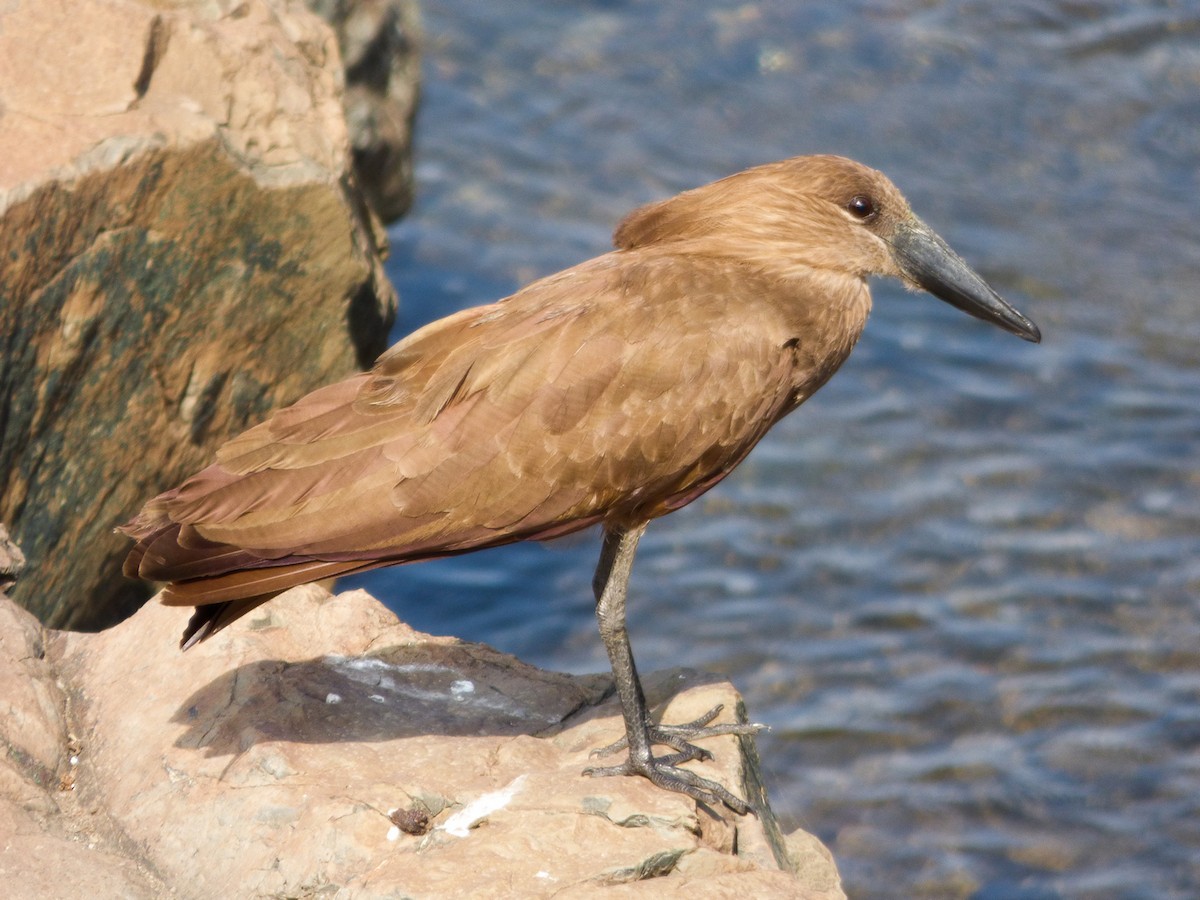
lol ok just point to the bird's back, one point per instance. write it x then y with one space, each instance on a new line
620 388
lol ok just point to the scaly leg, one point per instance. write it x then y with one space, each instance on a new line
611 584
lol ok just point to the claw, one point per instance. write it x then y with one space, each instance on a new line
665 774
678 737
664 771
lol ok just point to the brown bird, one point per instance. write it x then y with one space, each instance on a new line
613 392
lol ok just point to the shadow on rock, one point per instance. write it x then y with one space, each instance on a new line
398 692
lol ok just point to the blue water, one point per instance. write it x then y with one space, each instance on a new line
963 582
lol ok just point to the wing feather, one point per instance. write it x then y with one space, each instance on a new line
619 389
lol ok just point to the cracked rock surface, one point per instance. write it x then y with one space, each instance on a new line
326 748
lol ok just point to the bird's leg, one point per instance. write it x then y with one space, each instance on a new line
611 584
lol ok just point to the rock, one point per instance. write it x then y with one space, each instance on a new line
12 560
181 250
49 847
325 747
380 44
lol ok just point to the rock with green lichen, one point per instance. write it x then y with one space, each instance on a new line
181 250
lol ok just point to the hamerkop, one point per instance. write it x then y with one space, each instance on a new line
613 393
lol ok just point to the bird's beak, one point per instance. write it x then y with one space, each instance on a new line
926 259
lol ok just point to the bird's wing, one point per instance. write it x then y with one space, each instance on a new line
618 388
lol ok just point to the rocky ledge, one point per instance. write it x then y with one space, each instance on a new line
324 748
183 248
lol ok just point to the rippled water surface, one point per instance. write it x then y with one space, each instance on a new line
962 583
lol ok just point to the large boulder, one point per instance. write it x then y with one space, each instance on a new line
380 44
182 249
322 747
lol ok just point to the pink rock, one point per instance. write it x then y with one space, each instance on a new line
277 758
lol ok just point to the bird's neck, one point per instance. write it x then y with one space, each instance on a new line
825 318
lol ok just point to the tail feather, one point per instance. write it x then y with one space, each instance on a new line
251 583
133 561
223 600
223 582
178 553
209 619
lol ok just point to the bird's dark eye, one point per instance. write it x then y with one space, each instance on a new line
862 207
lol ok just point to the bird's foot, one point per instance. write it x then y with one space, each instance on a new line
678 737
664 771
672 778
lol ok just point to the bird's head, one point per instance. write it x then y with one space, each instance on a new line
819 213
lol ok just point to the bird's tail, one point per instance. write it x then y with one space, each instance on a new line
222 582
